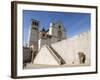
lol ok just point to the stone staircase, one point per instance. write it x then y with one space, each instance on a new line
55 54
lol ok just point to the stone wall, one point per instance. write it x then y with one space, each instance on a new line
69 50
45 57
26 55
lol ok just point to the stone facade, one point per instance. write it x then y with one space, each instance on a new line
74 51
52 47
26 55
33 33
38 38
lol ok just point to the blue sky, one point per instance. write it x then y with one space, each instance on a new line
74 23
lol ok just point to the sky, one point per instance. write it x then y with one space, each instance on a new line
74 23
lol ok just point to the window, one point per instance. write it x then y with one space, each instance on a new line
37 24
59 27
43 35
33 23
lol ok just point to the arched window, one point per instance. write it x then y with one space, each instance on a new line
59 27
59 33
37 24
33 23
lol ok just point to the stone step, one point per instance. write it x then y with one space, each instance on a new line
59 59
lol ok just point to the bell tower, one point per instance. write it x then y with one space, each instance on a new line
61 34
57 31
34 33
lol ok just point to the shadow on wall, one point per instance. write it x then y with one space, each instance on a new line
82 57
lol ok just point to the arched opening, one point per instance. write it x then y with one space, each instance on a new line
82 57
59 33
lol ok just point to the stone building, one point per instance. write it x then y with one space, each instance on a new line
38 38
52 47
72 51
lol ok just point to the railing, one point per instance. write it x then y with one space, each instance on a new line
55 54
